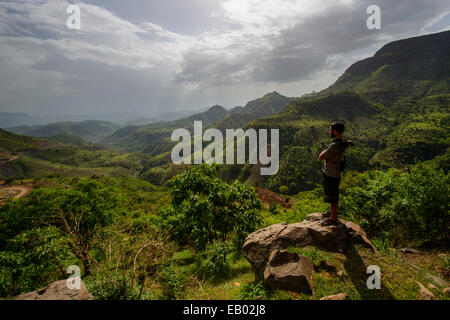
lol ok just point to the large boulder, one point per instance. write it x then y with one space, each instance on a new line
260 244
289 271
354 232
57 290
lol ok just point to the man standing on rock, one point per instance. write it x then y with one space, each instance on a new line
333 165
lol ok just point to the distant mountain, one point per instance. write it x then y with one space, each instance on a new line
9 119
67 139
154 138
138 122
414 67
268 105
395 106
236 109
91 130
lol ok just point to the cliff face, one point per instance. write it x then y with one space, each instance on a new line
409 67
422 58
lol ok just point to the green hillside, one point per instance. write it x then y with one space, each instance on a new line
395 106
268 105
395 115
140 227
414 67
90 130
67 139
13 143
154 138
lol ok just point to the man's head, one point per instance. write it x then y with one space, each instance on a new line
336 129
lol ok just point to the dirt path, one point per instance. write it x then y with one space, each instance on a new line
267 197
22 189
10 158
19 191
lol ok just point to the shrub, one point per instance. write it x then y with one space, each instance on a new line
409 207
252 290
32 259
205 209
129 262
283 189
77 213
10 180
172 282
102 288
217 265
274 208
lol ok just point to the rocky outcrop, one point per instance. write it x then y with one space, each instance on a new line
289 271
260 244
57 290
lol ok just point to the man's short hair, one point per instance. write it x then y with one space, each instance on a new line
338 126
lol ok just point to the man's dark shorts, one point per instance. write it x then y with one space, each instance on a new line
330 188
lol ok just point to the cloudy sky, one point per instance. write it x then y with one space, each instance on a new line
154 56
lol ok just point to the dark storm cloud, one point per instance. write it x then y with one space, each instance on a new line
144 56
298 51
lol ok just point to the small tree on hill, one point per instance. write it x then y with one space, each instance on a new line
205 209
78 213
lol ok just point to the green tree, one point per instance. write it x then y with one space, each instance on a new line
206 209
409 207
76 212
31 259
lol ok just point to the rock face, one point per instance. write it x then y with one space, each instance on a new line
260 244
289 271
57 290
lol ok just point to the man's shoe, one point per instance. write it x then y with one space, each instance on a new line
329 222
326 214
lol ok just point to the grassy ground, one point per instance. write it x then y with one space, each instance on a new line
397 277
399 271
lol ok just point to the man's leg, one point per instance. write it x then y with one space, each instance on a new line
332 196
334 211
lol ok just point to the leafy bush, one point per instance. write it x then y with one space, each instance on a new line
283 189
102 288
252 291
10 180
217 265
124 262
205 209
274 208
409 207
77 213
173 282
32 259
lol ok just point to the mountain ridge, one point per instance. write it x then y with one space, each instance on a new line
90 130
155 138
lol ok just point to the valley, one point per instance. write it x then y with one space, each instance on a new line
108 198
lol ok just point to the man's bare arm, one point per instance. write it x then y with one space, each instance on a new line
322 155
